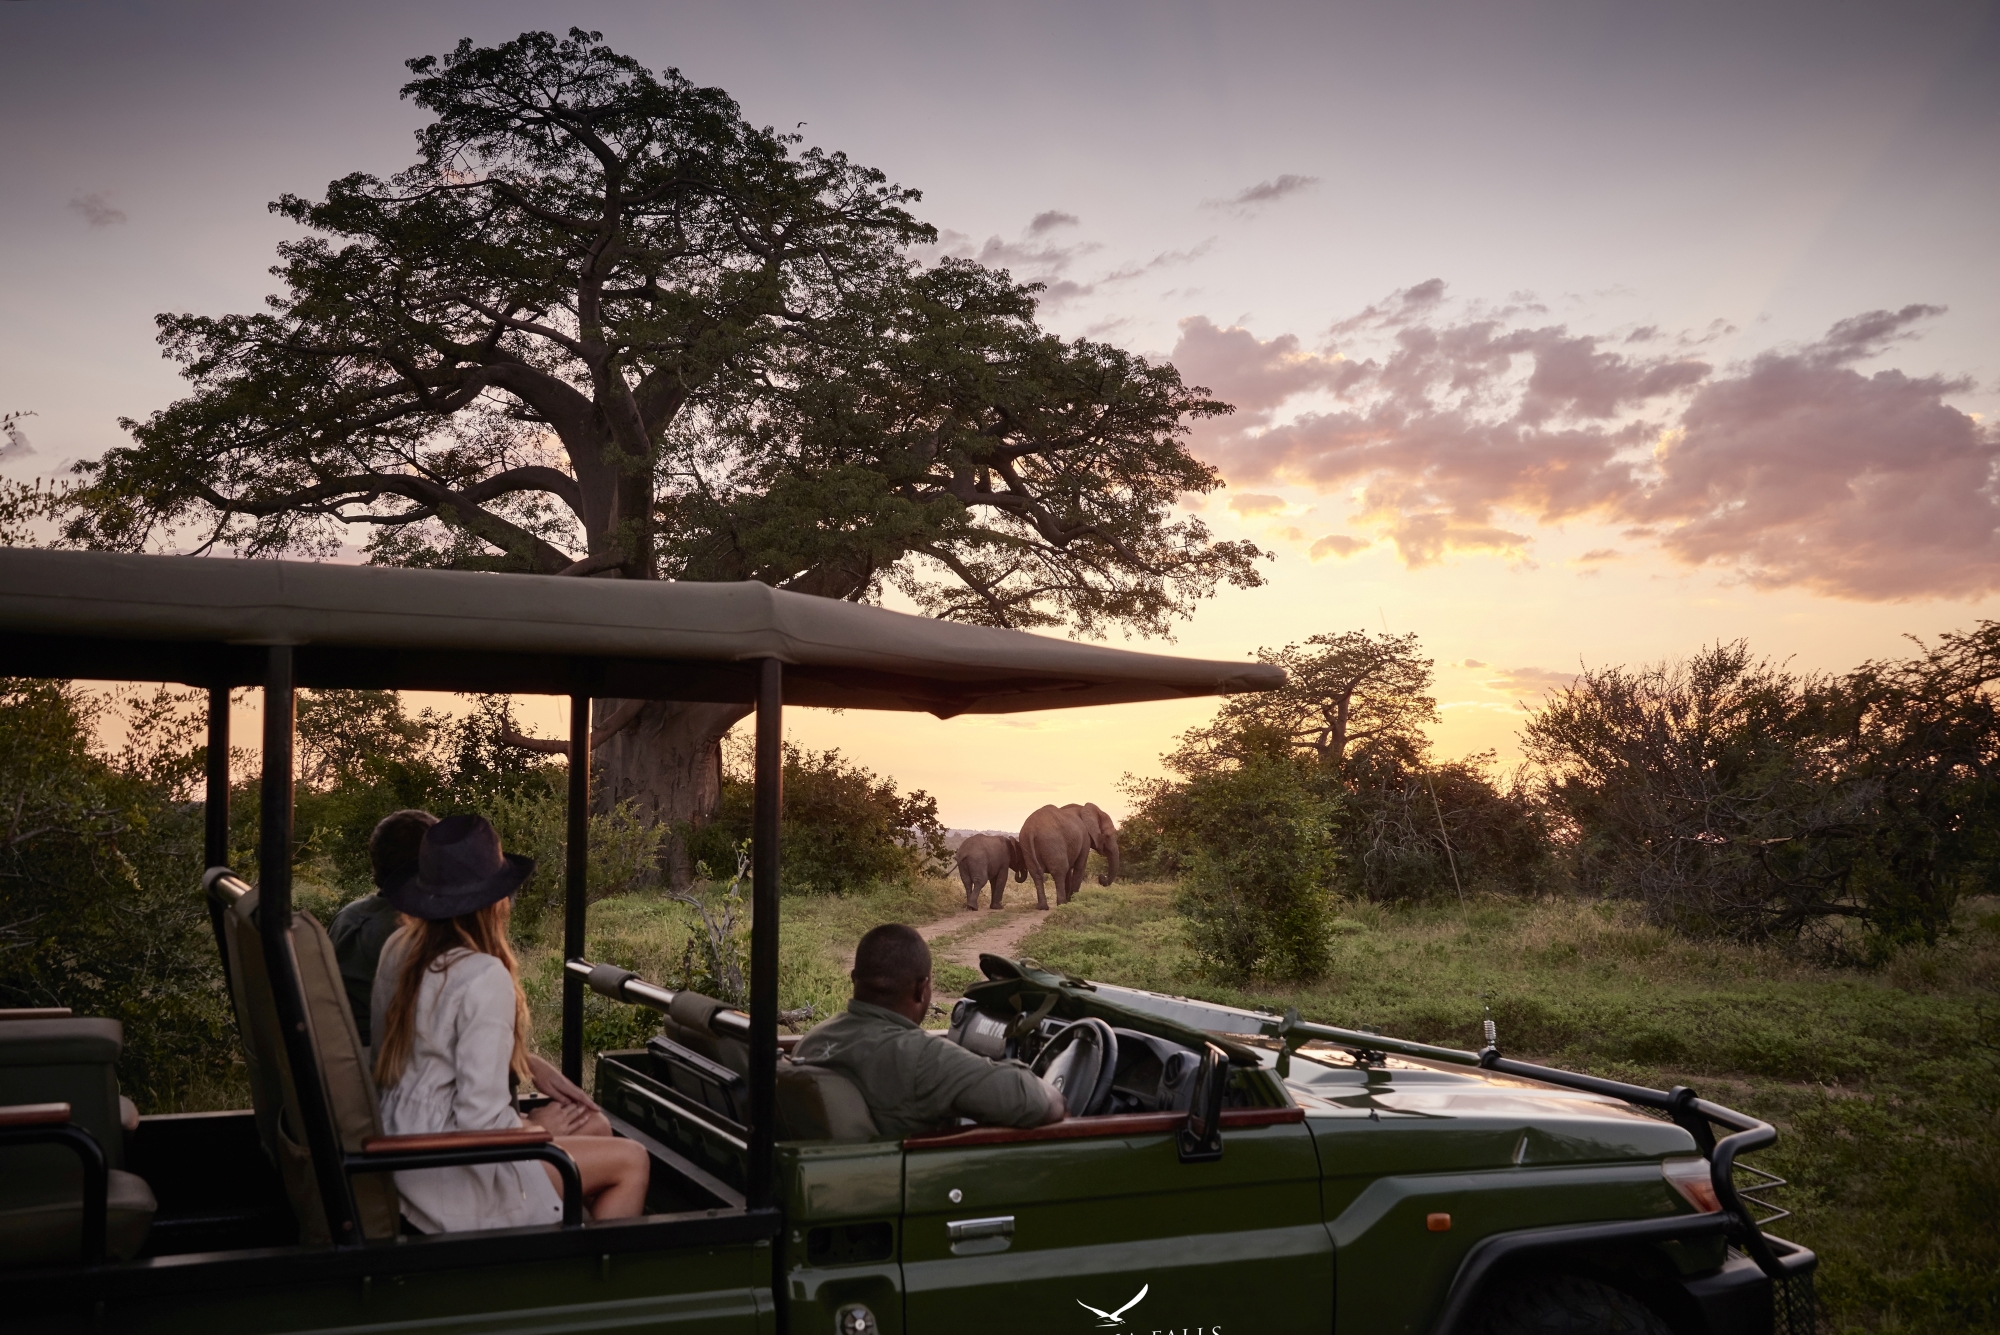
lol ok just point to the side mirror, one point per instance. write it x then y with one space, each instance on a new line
1201 1138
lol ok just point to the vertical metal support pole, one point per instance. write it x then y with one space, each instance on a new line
215 808
215 803
281 966
769 803
576 875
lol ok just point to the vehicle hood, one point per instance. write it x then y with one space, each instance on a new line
1446 1120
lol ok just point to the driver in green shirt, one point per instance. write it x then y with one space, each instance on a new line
914 1080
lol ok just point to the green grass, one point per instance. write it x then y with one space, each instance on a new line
1885 1086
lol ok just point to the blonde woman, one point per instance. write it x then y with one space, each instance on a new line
451 1045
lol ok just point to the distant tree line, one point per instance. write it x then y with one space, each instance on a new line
1840 815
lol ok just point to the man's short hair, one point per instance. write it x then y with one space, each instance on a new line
890 961
393 844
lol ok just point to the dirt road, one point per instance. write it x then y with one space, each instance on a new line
964 936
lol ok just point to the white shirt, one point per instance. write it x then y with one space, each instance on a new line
456 1080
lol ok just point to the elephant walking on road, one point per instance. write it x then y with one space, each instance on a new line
985 859
1058 842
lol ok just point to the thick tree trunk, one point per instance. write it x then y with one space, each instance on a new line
668 763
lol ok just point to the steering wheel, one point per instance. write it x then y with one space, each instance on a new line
1079 1064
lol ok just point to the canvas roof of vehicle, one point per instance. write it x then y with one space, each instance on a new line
205 621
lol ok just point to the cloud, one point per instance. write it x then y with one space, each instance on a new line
1289 533
1599 555
96 210
1256 376
1252 504
1528 681
1034 258
1796 468
1337 544
1166 259
14 441
1264 192
1469 663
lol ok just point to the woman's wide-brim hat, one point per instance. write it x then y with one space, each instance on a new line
460 869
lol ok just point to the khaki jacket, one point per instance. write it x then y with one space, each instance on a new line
916 1081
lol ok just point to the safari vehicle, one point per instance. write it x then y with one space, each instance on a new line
1221 1170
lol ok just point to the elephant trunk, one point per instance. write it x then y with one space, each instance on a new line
1110 859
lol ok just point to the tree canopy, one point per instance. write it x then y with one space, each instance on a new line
1349 697
605 324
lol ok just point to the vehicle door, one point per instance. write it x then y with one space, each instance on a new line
1097 1224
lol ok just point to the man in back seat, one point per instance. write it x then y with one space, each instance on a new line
914 1081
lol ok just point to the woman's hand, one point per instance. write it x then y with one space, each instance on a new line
570 1112
559 1087
561 1119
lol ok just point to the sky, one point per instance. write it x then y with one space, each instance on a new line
1559 334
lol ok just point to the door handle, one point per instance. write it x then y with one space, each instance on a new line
975 1237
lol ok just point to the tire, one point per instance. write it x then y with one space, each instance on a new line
1569 1305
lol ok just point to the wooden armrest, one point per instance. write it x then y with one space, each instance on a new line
34 1114
456 1140
36 1013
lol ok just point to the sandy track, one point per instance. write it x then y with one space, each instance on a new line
962 936
966 935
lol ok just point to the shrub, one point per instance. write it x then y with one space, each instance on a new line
99 863
1256 896
844 828
1415 832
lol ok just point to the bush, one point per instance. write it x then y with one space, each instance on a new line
99 865
1731 797
1415 832
844 828
1257 893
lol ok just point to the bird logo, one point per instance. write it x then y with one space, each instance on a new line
1114 1318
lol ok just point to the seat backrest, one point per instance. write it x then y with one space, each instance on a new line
819 1103
343 1070
69 1061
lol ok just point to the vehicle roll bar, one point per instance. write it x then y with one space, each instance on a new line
608 980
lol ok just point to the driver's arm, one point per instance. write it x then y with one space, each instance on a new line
1003 1093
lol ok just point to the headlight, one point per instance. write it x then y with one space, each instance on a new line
1694 1181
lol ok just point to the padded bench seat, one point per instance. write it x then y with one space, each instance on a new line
73 1061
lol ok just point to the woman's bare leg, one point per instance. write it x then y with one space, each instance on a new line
614 1172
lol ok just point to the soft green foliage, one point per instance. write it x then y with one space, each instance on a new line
362 756
1348 698
99 858
844 828
1884 1084
1352 715
1258 889
1731 796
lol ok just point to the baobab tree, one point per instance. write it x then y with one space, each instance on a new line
605 327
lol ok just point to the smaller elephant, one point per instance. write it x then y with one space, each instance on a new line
986 859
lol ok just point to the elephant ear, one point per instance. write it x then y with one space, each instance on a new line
1106 827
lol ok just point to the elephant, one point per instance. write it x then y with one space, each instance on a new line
1058 842
987 858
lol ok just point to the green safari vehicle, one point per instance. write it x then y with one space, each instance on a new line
1222 1170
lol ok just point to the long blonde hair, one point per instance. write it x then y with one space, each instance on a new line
426 943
